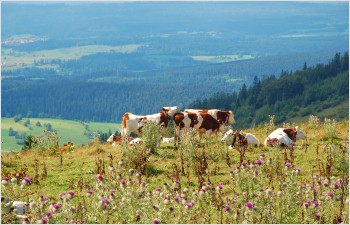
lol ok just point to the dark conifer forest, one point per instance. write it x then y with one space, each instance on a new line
298 94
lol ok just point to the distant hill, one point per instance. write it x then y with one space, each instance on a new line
321 90
97 92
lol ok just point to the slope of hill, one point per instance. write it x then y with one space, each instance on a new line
321 90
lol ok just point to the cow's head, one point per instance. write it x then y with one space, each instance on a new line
231 118
300 134
111 138
228 135
170 110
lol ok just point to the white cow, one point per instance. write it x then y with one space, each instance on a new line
167 140
231 137
284 136
135 141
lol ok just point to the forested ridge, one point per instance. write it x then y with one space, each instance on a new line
301 93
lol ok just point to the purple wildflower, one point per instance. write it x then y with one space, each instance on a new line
317 215
155 221
189 205
26 180
49 214
99 177
287 164
256 171
316 203
105 201
220 186
336 186
249 205
56 205
176 181
330 194
262 155
258 162
44 220
227 208
6 178
89 192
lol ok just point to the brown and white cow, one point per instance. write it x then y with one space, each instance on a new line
202 122
224 115
284 137
115 139
133 123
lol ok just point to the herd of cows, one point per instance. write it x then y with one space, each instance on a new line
206 121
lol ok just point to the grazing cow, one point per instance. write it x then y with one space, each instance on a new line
135 141
133 123
202 122
115 139
68 146
224 115
284 137
244 139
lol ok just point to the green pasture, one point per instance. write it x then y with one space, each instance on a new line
68 130
12 59
76 170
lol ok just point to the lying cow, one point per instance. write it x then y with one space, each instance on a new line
135 141
244 139
284 137
202 122
167 140
69 146
115 139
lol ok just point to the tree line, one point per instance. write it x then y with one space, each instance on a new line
298 94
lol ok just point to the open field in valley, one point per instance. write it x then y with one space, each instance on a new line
68 130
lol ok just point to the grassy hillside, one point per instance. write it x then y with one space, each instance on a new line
77 132
279 194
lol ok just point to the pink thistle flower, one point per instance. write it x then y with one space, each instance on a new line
249 205
336 186
256 171
89 192
220 187
258 162
227 208
262 155
317 215
330 194
105 202
316 203
155 221
26 181
49 214
99 177
287 165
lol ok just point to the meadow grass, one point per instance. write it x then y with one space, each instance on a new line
279 194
